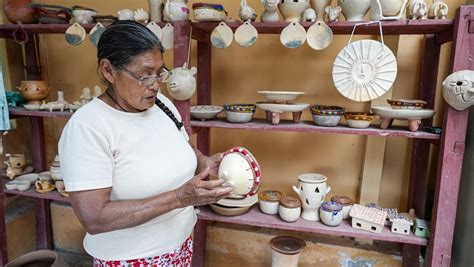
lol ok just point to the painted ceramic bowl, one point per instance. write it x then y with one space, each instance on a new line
34 91
269 201
209 12
228 211
240 169
289 209
205 112
239 113
346 203
328 116
359 120
331 213
406 104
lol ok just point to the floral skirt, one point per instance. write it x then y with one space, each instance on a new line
180 257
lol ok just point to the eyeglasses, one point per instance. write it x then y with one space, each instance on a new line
150 79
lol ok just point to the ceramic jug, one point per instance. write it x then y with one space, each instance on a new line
354 10
19 11
176 10
312 190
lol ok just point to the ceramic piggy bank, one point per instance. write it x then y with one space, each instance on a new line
458 89
182 83
176 10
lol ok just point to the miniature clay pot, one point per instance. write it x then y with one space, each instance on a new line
312 190
354 10
293 10
18 11
269 201
289 209
286 251
34 91
328 116
359 120
331 213
346 203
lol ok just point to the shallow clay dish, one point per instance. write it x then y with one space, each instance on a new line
238 202
280 96
228 211
205 112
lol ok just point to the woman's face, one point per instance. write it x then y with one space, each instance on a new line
137 95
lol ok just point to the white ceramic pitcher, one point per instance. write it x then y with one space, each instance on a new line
312 190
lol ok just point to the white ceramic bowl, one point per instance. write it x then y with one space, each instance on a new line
23 185
280 96
205 112
331 213
358 124
239 117
328 116
327 121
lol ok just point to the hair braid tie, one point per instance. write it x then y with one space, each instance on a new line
169 113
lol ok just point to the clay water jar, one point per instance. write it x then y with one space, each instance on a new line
19 11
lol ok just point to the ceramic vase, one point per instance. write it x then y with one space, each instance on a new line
176 10
312 190
354 10
319 6
391 7
18 11
156 10
293 10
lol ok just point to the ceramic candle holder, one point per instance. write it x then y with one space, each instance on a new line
34 91
269 201
331 213
312 190
328 116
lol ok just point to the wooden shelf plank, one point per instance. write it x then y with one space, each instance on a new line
310 127
426 26
255 217
22 112
53 195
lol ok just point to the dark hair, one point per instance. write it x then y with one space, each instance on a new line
122 41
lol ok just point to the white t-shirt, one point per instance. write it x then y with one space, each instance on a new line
138 155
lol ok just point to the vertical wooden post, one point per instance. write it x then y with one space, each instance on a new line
182 40
3 232
451 153
203 141
421 148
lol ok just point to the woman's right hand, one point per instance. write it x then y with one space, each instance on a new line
199 192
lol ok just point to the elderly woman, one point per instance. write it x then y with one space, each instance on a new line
127 164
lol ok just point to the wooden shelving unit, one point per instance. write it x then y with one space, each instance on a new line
451 141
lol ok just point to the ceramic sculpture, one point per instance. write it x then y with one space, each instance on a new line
33 91
156 10
293 10
417 9
176 10
286 251
83 99
401 225
240 169
312 190
439 10
388 9
354 10
320 6
209 12
141 16
59 104
246 12
422 228
458 89
125 14
333 13
270 13
44 187
309 15
182 82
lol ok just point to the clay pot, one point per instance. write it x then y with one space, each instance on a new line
289 209
269 201
19 11
293 10
346 203
286 251
354 10
34 91
331 213
391 7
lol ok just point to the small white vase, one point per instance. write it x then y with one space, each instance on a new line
391 7
354 10
319 6
156 10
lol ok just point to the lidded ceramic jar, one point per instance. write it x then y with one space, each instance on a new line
286 251
240 169
312 190
289 209
331 213
354 10
293 10
346 203
269 201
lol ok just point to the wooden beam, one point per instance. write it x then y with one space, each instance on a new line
3 230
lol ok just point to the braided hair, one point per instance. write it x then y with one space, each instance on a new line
121 42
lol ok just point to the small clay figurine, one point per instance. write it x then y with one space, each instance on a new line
309 15
417 9
458 89
271 11
333 13
141 16
439 10
182 82
247 12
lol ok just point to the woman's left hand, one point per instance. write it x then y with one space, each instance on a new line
213 163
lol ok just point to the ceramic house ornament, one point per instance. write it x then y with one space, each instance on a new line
368 219
312 190
422 228
293 35
222 36
333 13
439 10
458 89
176 10
270 13
240 169
401 225
246 12
168 36
182 82
417 9
246 34
388 9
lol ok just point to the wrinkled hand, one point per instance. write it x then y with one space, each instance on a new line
199 192
213 163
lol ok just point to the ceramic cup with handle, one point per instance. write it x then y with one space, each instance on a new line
312 190
43 185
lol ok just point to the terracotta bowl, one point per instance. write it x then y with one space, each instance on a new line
240 169
359 120
406 104
328 116
228 211
34 91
